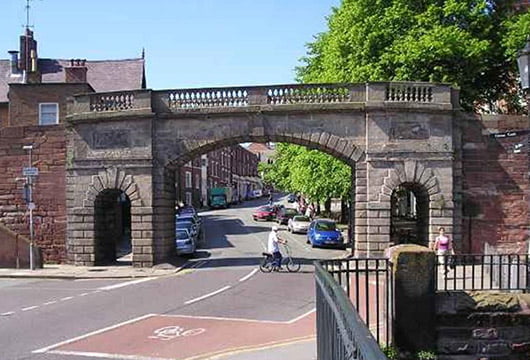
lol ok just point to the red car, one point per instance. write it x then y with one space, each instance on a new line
264 213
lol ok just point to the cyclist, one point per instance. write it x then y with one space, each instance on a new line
274 248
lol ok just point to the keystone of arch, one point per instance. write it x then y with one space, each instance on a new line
112 178
410 172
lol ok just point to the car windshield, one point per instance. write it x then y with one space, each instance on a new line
182 235
265 208
291 212
302 218
184 225
325 226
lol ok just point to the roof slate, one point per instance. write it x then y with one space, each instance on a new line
102 75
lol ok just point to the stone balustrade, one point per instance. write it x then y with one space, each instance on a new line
396 93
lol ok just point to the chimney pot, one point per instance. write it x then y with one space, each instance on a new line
76 72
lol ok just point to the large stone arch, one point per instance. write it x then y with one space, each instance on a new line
339 148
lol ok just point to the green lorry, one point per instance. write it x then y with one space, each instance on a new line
219 197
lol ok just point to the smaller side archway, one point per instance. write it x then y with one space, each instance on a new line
112 226
409 215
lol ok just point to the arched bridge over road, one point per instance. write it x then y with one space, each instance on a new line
392 134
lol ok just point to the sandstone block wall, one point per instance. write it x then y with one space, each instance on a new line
49 189
495 183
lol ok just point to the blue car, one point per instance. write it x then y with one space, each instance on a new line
324 232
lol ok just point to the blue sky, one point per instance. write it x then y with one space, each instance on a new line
188 43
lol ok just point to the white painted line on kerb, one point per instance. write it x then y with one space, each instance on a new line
207 295
127 283
29 308
48 348
7 313
248 275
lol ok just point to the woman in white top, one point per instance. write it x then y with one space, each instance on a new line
443 245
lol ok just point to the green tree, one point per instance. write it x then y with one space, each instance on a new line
467 43
315 174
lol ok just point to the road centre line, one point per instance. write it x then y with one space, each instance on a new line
50 302
208 295
246 277
29 308
123 284
48 348
7 313
67 298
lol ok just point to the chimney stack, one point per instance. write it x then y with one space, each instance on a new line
14 62
76 72
28 52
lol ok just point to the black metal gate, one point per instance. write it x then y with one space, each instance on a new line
354 308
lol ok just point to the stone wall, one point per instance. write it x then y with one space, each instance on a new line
495 174
49 190
4 113
485 326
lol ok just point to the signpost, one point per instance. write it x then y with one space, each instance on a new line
30 172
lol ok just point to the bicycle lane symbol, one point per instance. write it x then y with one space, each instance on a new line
171 332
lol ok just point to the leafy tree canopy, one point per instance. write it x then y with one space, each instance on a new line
310 172
468 43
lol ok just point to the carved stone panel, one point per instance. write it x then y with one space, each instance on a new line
111 139
409 130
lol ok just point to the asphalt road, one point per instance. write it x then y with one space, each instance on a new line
220 306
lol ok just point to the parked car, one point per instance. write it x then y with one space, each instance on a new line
189 227
284 214
257 193
298 224
291 198
264 213
323 232
194 218
184 242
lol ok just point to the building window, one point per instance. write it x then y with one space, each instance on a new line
197 182
188 198
48 113
188 179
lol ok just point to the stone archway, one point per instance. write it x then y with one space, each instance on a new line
388 132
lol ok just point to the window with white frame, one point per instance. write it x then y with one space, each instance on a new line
188 179
48 113
188 198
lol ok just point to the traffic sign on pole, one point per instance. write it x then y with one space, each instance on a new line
30 171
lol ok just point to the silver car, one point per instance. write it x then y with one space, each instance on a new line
299 224
185 243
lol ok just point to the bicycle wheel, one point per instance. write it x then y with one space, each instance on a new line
265 265
292 266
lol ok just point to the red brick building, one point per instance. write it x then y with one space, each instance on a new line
33 99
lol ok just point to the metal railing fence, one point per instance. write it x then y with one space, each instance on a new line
341 333
471 272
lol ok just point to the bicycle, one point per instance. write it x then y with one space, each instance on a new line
267 265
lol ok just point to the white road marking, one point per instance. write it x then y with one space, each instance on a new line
83 294
67 298
105 355
223 318
48 348
207 295
123 284
248 275
7 313
50 302
301 316
29 308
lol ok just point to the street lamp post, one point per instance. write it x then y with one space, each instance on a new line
31 206
523 62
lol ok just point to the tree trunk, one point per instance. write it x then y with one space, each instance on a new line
327 205
343 211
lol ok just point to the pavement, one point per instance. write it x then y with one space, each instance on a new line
62 271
